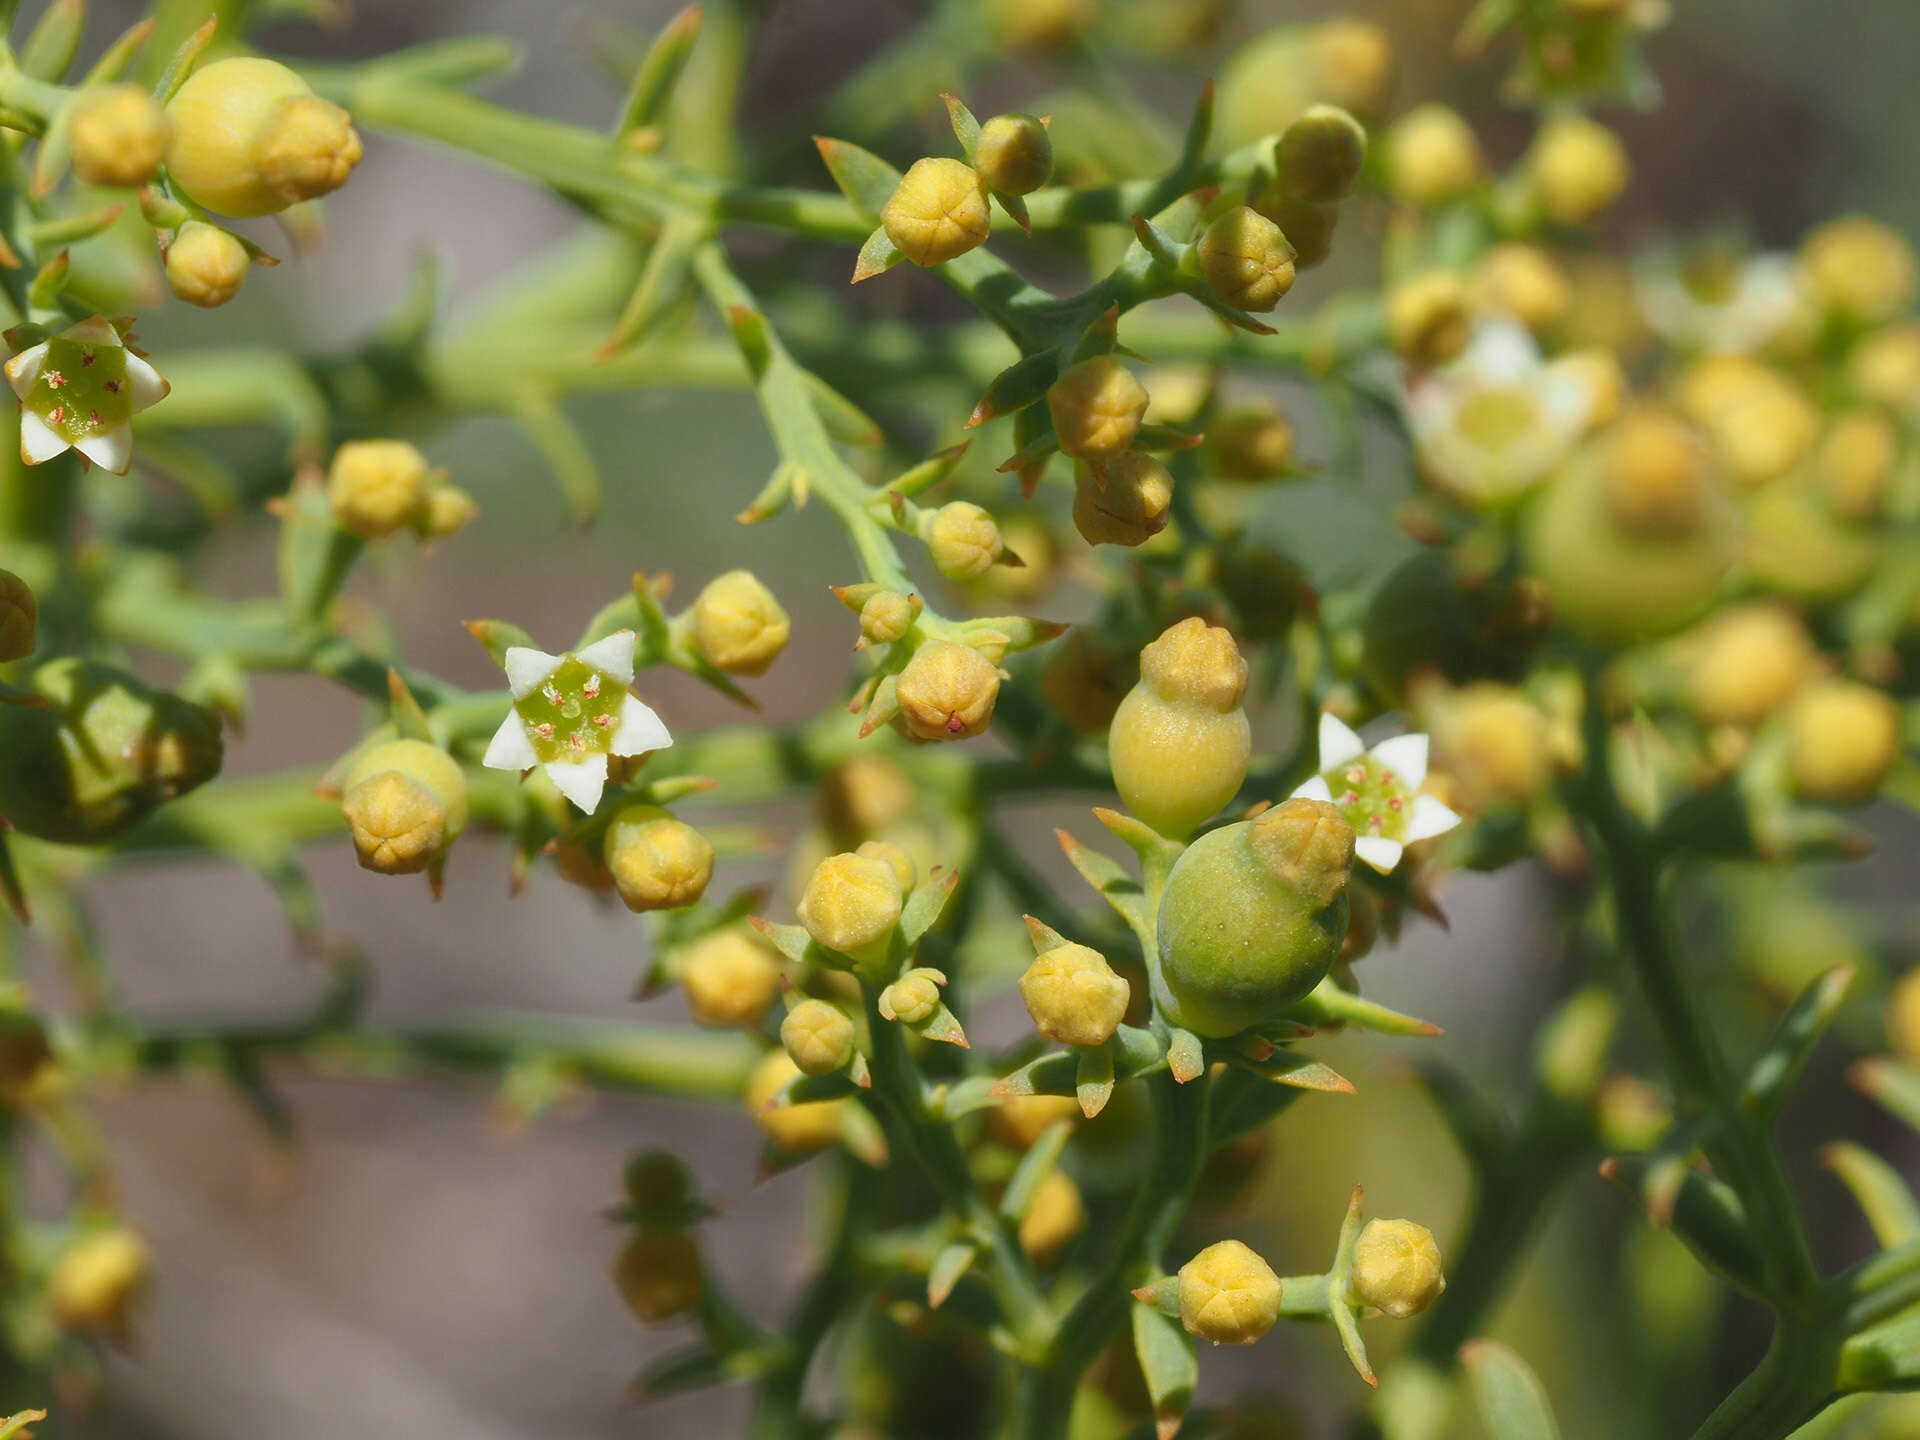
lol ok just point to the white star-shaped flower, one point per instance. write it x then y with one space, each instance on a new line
1378 790
1722 304
570 712
80 390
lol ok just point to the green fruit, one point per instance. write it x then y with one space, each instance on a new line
1253 917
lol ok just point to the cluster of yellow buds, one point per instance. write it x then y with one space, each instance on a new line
378 488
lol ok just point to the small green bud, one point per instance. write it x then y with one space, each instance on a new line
1246 261
885 616
96 1281
405 802
938 212
1014 154
1228 1294
1253 916
797 1129
912 998
1429 318
657 1185
117 135
1054 1216
1578 168
730 978
947 691
1433 157
1396 1268
250 138
818 1037
1074 996
19 618
1097 407
378 487
1319 155
206 265
1842 740
1180 743
658 862
1130 508
1254 442
658 1274
851 904
963 540
738 624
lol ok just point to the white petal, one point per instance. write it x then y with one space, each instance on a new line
39 441
612 656
1338 743
110 449
97 331
1431 407
640 731
1501 353
510 749
581 781
145 388
1314 789
526 668
1429 818
1406 756
1379 852
24 368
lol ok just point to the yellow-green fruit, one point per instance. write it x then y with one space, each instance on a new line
938 212
818 1037
738 624
1013 154
405 802
1396 1268
1228 1294
1842 740
730 978
1253 916
1246 261
1074 996
947 691
19 618
1054 1216
101 754
1798 546
1096 407
377 487
1320 154
1903 1017
658 1274
1130 508
851 904
206 265
1859 268
658 862
1432 156
250 137
116 135
96 1280
797 1129
1179 744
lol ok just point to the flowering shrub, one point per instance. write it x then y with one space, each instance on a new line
1653 618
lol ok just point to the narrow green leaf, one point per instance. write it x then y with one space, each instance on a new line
1882 1192
1093 1082
948 1266
1169 1366
1894 1084
845 421
662 284
863 177
1702 1211
878 254
966 129
923 907
1104 874
1017 386
1034 1166
566 454
694 1368
315 553
499 636
409 720
929 472
1284 1067
1793 1042
180 63
1329 1004
657 74
54 40
1512 1404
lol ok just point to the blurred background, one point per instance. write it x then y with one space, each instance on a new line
412 1270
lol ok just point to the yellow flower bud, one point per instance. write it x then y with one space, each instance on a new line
912 998
1759 424
1074 996
405 803
939 211
1842 739
1903 1017
1494 743
1251 443
963 540
1179 745
1432 156
1859 269
1054 1216
818 1037
1396 1268
250 138
1014 154
1526 282
851 904
1020 1120
117 135
1886 367
19 618
863 796
1352 63
730 978
1319 155
377 487
1245 259
1041 24
97 1279
1130 508
1656 475
1429 318
896 859
1307 226
1600 374
658 1274
658 862
449 511
885 616
1097 407
1746 663
1578 168
947 691
205 265
738 625
797 1129
1228 1294
1854 463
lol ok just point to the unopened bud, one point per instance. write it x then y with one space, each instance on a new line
818 1037
947 691
1859 269
1886 367
96 1281
1307 226
19 618
1578 168
886 616
1245 259
797 1129
963 540
1074 996
1842 740
1526 282
1180 743
851 904
1130 508
1854 463
738 625
658 862
864 795
1656 477
1495 743
1097 407
1020 1120
1396 1268
1228 1294
1251 443
1746 663
938 212
658 1274
1429 318
1432 157
377 487
449 511
1054 1216
730 978
1352 63
1014 154
206 265
405 802
251 138
912 998
1320 154
895 858
117 135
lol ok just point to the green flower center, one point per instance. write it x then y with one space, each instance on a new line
82 389
1374 799
1498 418
573 713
